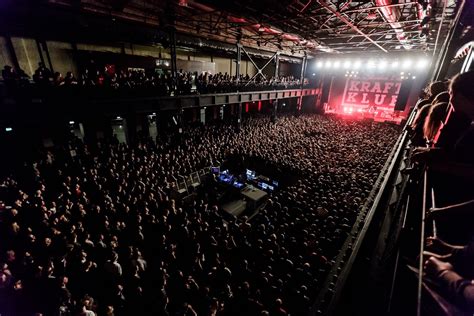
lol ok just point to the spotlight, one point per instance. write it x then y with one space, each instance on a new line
407 63
422 63
154 113
319 64
337 64
347 64
395 64
382 64
414 77
314 74
119 117
357 64
371 63
328 64
71 122
8 129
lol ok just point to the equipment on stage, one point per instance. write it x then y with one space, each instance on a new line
250 174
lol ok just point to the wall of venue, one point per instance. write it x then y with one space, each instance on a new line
64 57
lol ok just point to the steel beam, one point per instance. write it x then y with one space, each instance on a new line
259 70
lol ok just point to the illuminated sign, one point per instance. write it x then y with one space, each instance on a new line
370 95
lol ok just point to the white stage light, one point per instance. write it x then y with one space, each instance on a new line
395 64
407 63
71 122
422 63
347 64
382 64
337 64
319 64
8 129
357 64
328 64
414 77
371 63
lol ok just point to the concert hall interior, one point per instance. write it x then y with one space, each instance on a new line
238 157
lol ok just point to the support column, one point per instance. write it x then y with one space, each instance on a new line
239 60
202 115
130 126
174 68
180 118
239 116
40 51
275 102
303 69
143 127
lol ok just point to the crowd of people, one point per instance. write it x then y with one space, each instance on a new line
442 135
92 229
149 82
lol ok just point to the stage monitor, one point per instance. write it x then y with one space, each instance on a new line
250 174
263 185
226 178
215 170
238 185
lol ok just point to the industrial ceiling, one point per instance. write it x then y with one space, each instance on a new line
291 26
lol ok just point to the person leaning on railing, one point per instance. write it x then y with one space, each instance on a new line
455 139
